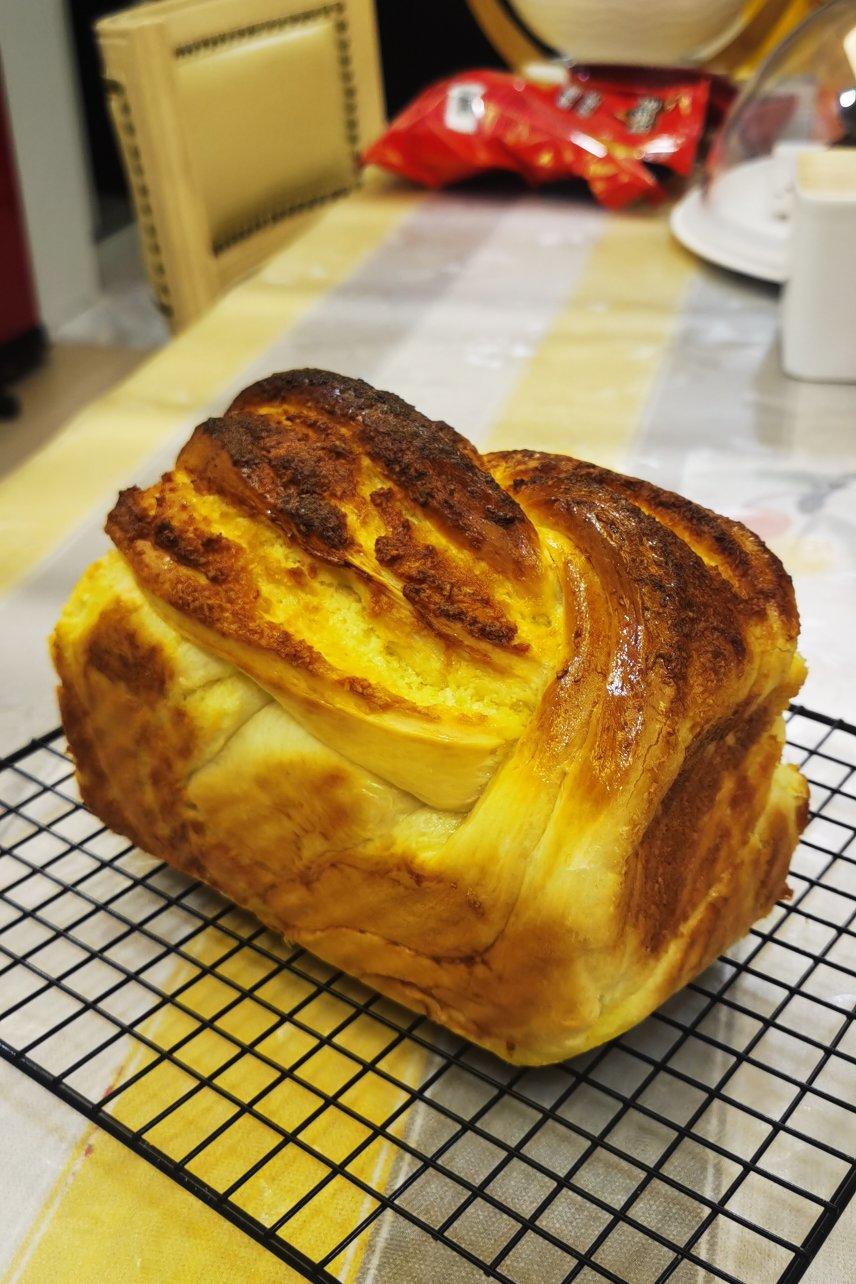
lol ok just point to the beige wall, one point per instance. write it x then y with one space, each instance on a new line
46 127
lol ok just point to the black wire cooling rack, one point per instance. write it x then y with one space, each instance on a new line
356 1140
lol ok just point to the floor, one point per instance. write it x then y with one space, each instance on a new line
89 354
72 375
125 314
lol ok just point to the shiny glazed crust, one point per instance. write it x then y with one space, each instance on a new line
501 736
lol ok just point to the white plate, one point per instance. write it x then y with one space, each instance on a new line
732 228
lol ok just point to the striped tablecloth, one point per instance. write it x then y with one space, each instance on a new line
524 320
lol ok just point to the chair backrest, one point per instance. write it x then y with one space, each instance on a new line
235 119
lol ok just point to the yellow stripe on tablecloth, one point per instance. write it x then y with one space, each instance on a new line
43 501
111 1216
115 1217
584 391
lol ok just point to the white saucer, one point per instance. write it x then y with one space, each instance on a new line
745 239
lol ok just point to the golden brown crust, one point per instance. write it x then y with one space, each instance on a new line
506 729
740 557
433 466
322 457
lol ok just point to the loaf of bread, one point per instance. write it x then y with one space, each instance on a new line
499 735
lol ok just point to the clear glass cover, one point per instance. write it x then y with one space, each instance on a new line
802 96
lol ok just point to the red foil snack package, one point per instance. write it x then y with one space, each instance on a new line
604 126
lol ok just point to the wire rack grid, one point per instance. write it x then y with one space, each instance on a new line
356 1140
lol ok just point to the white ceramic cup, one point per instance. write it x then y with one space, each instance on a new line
783 175
819 298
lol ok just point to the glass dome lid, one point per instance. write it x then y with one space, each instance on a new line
803 96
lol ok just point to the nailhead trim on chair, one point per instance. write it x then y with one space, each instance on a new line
349 95
275 216
205 43
136 174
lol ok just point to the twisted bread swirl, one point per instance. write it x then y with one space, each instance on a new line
499 735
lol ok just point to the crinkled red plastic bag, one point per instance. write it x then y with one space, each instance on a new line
599 128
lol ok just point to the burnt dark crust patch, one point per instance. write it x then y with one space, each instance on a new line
436 468
441 592
737 557
295 478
